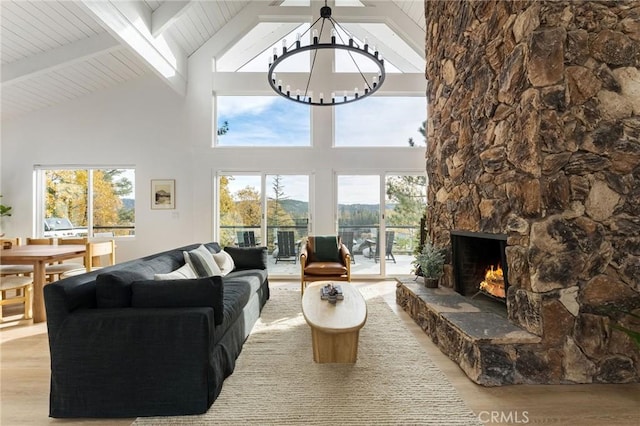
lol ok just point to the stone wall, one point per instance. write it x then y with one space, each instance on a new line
534 132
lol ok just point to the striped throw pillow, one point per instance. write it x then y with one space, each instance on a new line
202 263
182 273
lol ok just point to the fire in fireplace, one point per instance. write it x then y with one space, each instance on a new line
479 264
493 283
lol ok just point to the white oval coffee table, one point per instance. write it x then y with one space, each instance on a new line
334 327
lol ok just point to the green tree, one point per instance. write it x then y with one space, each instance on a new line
408 194
278 195
222 130
423 132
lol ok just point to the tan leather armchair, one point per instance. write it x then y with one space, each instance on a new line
317 263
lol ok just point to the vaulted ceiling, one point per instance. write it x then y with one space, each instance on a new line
55 51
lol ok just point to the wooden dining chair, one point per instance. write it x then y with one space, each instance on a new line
8 270
57 269
92 257
16 289
40 241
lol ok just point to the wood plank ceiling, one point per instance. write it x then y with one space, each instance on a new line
55 51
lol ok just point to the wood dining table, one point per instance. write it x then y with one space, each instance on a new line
39 256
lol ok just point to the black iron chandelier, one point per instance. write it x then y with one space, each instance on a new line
337 97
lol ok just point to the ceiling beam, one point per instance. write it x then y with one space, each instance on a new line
400 55
58 57
245 20
168 13
388 13
130 23
247 83
249 47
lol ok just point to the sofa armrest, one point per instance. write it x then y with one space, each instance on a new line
114 355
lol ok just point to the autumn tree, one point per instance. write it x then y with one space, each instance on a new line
248 206
228 216
67 190
66 195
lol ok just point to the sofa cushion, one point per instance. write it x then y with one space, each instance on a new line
182 273
202 263
113 289
224 262
236 296
248 257
180 293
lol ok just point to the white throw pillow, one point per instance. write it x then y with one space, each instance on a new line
202 263
224 262
184 272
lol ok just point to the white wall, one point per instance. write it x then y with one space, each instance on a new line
145 124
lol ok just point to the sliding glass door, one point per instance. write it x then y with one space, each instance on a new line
240 210
269 210
405 204
287 219
358 207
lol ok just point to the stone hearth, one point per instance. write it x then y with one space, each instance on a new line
484 344
534 132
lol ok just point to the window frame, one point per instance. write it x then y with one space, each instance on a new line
39 194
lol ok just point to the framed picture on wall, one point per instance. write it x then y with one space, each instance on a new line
163 194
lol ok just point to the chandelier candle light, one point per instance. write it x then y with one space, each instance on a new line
338 97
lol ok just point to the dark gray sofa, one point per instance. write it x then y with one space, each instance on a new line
124 346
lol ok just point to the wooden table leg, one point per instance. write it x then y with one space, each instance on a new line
39 313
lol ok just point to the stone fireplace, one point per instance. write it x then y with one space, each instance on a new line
480 268
533 133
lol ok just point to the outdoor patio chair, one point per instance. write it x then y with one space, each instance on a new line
347 240
246 239
389 237
286 246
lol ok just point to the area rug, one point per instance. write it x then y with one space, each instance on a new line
276 381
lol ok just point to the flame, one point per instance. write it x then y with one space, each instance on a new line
493 282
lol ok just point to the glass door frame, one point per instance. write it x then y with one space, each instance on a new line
264 198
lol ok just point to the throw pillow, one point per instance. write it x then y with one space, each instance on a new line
248 257
191 293
224 262
202 263
113 289
326 248
182 273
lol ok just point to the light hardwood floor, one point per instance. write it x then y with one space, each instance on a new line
24 386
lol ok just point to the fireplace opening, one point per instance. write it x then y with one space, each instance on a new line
480 266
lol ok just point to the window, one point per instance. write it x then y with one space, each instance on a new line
86 201
390 121
259 121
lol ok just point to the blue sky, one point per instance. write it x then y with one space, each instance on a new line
275 121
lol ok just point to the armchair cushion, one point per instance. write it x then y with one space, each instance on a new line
325 248
325 268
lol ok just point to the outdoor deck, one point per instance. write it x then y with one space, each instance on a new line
363 266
